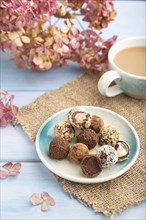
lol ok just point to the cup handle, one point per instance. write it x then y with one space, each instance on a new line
105 81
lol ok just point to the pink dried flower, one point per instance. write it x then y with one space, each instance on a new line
7 109
18 14
94 50
37 46
11 170
76 4
45 199
98 13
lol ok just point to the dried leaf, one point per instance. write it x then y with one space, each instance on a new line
3 174
36 199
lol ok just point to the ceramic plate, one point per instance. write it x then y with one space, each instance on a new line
72 171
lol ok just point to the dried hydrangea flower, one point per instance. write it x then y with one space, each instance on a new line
45 199
75 4
7 109
11 170
37 46
18 14
98 13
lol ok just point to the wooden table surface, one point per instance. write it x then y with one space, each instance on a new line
15 145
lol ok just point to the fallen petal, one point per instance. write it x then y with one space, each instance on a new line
3 174
8 166
44 207
14 170
49 200
36 199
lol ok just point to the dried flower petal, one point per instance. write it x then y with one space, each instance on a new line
3 174
14 170
49 200
45 199
7 109
11 170
8 166
36 199
44 207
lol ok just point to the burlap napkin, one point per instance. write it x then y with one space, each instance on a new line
110 197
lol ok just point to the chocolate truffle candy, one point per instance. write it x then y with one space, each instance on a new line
78 152
79 119
65 130
91 166
59 148
108 135
107 155
88 137
96 123
123 150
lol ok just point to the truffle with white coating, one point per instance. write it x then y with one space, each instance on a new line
65 130
108 135
79 119
107 155
123 150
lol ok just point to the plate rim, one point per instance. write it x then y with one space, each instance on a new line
87 180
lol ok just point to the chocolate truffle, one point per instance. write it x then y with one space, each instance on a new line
79 119
123 150
107 155
65 130
108 135
91 166
96 123
59 148
88 137
78 152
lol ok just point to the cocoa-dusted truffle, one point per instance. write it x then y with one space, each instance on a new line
65 130
107 155
78 152
123 150
79 119
96 123
108 135
59 148
91 166
88 137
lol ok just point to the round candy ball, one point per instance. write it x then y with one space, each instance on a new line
88 137
78 151
96 123
79 119
108 135
91 166
59 148
65 130
107 155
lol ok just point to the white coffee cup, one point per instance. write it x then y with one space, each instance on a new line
130 84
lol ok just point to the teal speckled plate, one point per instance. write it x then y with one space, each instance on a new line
72 171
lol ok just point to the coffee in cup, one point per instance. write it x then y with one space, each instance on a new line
127 61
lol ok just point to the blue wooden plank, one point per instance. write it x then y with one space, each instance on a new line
130 21
34 177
